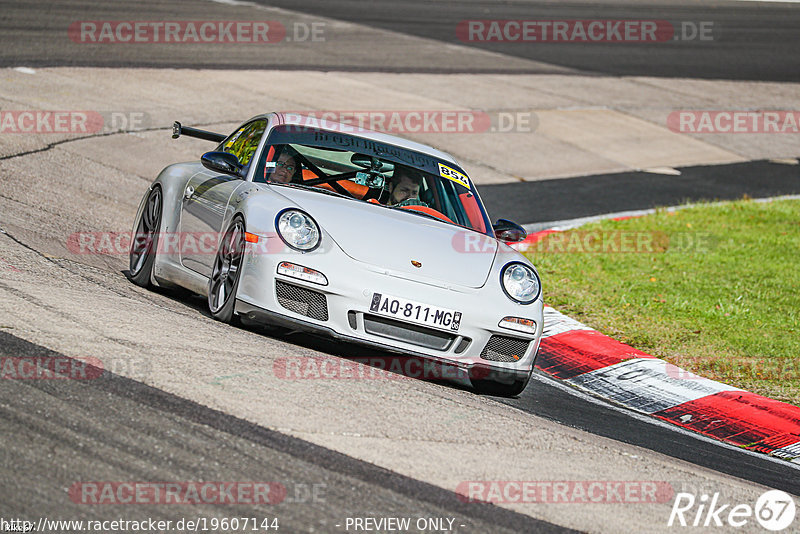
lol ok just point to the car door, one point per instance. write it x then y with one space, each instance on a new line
206 199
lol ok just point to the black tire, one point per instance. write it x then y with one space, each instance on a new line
224 280
144 244
501 386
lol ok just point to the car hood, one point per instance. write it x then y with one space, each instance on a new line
391 239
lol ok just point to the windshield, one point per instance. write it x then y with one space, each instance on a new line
371 171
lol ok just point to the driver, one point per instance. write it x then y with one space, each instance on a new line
404 187
286 168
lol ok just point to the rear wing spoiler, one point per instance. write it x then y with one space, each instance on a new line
178 130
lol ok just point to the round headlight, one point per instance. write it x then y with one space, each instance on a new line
298 230
521 283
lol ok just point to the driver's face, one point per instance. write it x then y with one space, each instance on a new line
284 169
403 190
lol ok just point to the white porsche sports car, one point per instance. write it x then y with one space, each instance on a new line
354 234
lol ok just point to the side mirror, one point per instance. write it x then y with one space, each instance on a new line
508 231
222 162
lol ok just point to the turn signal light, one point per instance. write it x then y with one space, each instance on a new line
519 324
302 273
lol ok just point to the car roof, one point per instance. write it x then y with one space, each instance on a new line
297 119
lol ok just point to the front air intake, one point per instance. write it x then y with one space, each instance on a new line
301 300
504 349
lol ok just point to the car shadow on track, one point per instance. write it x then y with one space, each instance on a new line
356 362
366 363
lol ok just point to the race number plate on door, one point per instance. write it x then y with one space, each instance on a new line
415 312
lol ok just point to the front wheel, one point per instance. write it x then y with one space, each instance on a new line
225 274
145 243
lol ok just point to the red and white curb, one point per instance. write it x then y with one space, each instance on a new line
597 364
606 368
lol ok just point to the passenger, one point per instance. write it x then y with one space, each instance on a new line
404 187
285 169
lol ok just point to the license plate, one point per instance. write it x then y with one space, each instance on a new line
415 312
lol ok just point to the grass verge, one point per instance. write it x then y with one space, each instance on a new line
712 288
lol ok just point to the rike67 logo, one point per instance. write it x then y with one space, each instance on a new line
774 510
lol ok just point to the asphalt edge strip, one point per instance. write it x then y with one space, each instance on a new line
560 226
574 353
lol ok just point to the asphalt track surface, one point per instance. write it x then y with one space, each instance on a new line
121 429
545 399
748 41
614 193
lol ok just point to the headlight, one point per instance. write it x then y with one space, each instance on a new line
298 230
521 283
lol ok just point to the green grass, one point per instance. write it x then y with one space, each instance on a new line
712 288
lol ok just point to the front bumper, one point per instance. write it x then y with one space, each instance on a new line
347 317
466 375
